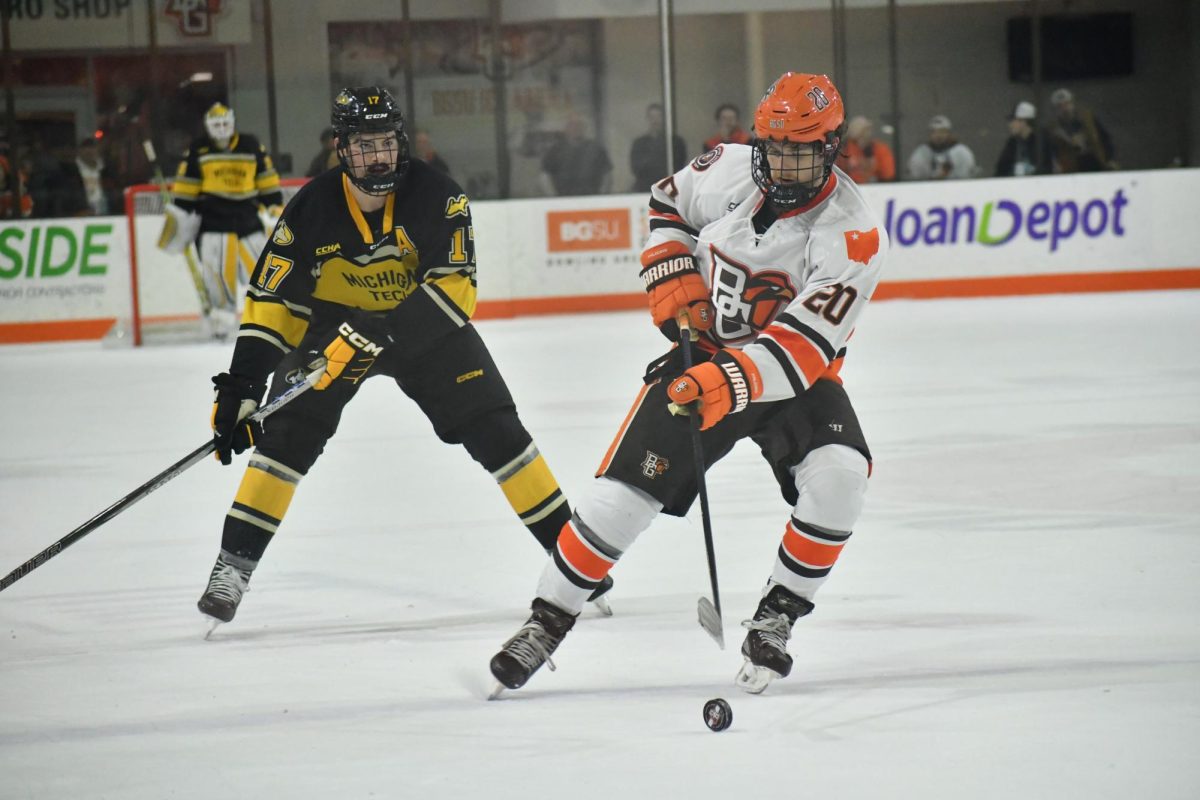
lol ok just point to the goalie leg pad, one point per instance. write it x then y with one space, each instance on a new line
179 229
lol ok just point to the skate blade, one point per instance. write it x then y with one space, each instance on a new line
754 679
601 604
212 624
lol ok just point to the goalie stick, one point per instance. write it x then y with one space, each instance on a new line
709 613
189 251
316 369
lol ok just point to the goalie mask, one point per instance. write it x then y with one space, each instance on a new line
798 130
371 143
219 123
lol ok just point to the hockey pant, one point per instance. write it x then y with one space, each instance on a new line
476 411
813 443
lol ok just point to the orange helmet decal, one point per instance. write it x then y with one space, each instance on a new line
799 107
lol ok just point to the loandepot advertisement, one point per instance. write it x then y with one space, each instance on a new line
995 236
1035 226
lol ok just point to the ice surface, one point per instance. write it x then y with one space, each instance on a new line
1015 617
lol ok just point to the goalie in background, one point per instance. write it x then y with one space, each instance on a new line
223 182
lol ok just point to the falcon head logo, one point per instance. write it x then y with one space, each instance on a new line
767 293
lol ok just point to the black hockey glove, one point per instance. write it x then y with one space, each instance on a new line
235 398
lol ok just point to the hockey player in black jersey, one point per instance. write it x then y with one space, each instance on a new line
372 266
224 179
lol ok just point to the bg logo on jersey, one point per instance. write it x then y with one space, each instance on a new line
602 229
746 302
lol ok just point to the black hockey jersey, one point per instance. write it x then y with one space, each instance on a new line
413 261
226 187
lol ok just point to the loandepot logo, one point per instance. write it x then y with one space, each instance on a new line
999 222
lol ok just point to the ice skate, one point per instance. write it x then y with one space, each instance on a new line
229 580
765 647
598 598
532 646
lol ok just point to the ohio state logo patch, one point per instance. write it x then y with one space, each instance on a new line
654 465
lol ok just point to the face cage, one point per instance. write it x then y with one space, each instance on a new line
373 184
220 130
790 195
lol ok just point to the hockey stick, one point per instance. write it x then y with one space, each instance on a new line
316 369
189 251
709 613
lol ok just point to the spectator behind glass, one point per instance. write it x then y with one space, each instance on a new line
1081 143
729 128
648 155
88 187
423 147
1023 153
326 158
576 165
864 158
15 201
942 157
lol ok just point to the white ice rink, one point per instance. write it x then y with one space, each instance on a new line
1015 617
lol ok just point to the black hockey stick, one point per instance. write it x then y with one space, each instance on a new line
317 368
709 612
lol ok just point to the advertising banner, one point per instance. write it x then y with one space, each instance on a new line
63 276
1104 232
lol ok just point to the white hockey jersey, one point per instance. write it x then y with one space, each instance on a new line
790 297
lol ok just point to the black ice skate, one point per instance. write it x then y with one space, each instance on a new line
765 647
531 647
229 580
598 599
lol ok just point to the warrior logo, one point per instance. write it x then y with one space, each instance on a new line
654 465
746 302
193 17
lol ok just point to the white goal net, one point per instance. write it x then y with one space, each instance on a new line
165 305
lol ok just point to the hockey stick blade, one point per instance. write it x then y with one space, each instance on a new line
300 385
710 620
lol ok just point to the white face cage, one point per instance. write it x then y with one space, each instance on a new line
219 123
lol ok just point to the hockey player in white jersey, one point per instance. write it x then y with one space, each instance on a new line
771 254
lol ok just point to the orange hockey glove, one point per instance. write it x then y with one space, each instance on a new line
675 286
724 385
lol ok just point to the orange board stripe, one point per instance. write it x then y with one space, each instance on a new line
1041 284
62 331
1144 280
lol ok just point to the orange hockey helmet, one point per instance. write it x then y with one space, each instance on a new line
804 109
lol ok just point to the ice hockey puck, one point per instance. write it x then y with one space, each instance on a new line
717 715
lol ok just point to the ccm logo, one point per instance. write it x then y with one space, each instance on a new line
358 340
603 229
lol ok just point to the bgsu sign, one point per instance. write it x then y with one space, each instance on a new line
602 229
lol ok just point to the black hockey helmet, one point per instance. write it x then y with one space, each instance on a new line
369 109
